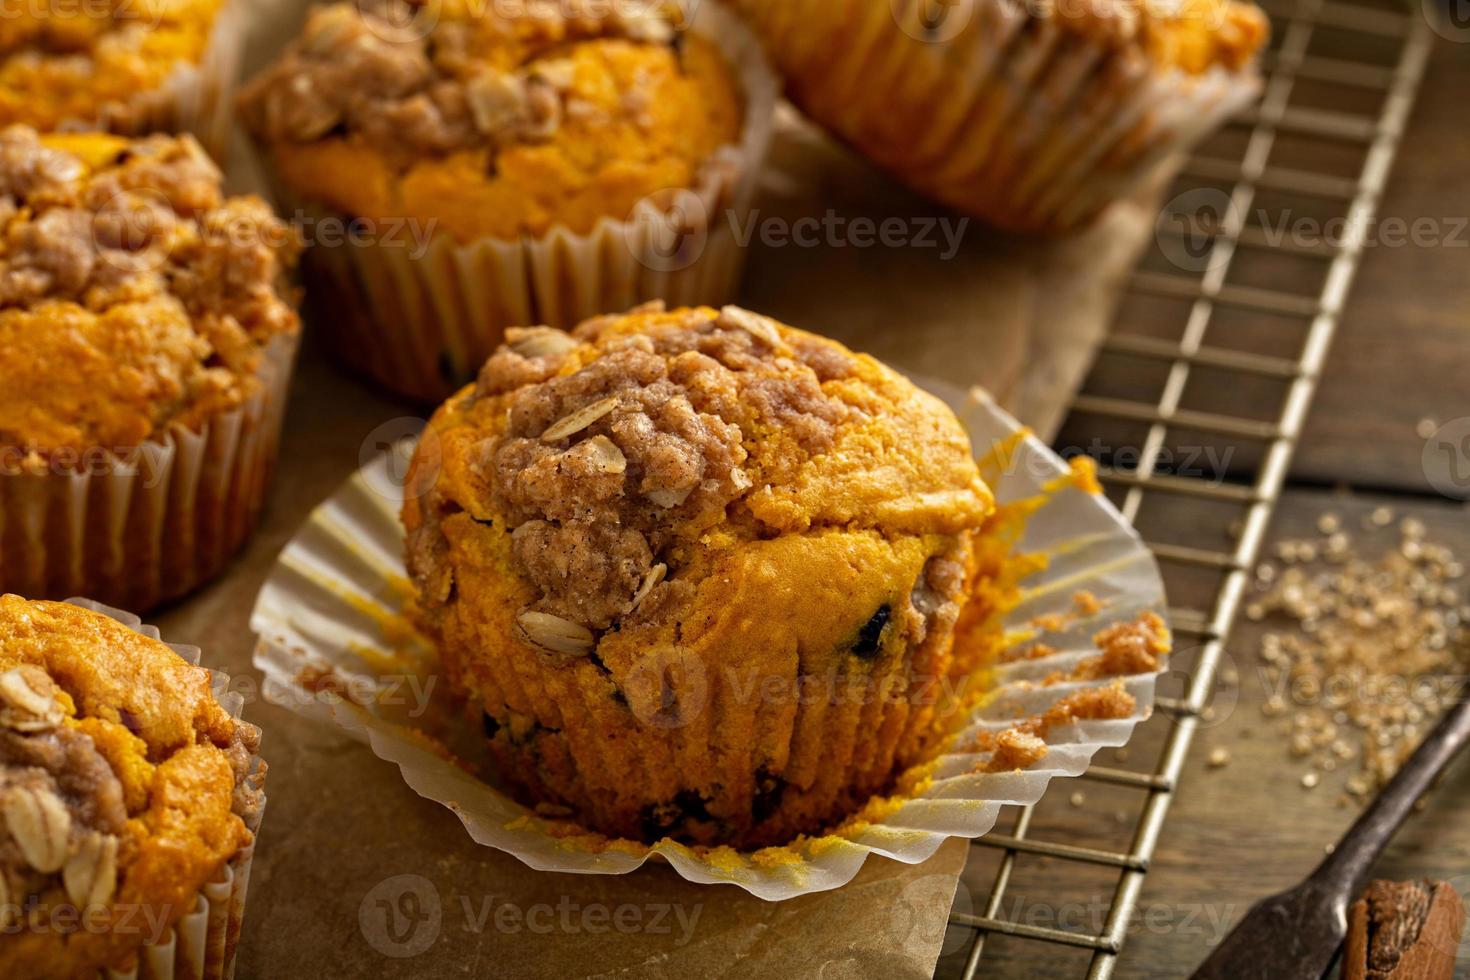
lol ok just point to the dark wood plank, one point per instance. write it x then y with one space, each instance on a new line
1403 353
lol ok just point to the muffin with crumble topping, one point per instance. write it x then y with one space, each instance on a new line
1031 116
497 168
146 341
700 570
129 795
127 66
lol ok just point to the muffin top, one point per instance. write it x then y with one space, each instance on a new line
1197 35
610 468
133 294
1190 35
488 125
124 786
86 61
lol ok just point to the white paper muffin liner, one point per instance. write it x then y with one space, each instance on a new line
334 599
421 321
141 529
194 98
1027 125
201 945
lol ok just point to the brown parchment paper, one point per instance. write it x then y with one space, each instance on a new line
356 876
1019 316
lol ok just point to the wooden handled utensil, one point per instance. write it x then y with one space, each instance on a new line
1296 934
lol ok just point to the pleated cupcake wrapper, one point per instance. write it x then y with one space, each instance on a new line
140 529
334 604
1032 126
201 945
194 98
421 321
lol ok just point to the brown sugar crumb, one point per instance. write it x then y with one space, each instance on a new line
1035 651
323 679
1138 647
1087 604
1051 622
1013 750
1362 654
1092 704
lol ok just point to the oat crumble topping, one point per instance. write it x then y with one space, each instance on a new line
488 123
122 784
133 293
88 62
606 474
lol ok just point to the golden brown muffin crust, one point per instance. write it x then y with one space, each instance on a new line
621 447
124 786
133 294
87 61
1191 35
491 125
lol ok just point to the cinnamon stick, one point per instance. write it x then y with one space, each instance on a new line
1404 931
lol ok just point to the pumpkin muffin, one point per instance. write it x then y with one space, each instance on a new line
145 344
503 169
129 66
127 792
1032 117
699 570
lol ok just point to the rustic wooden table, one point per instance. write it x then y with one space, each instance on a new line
1235 834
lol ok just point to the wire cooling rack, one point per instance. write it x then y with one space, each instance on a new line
1251 267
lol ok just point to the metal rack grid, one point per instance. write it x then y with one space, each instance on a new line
1295 57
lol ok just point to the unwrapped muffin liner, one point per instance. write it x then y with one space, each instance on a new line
194 98
334 603
420 318
201 945
141 528
1030 126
